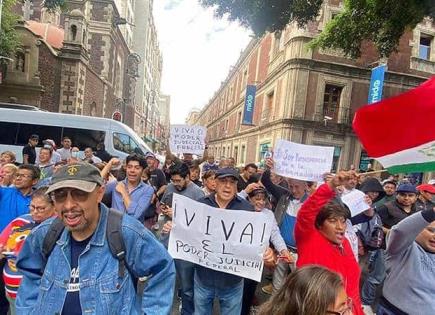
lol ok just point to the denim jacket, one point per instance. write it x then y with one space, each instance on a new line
101 289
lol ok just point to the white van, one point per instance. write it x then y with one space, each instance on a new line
17 125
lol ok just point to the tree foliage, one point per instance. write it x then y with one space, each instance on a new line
381 21
9 39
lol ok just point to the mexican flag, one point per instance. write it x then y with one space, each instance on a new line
400 131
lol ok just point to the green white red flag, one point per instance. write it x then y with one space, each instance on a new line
400 131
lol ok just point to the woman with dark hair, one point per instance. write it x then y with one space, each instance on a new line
320 236
311 290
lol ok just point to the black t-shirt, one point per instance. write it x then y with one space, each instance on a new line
158 178
31 152
241 184
72 301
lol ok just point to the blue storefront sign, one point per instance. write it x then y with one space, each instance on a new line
377 84
248 113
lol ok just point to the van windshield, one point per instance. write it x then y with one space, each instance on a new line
126 144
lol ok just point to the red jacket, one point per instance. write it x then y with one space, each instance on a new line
314 248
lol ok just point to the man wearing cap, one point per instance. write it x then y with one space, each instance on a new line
29 152
81 276
158 178
395 211
209 283
426 198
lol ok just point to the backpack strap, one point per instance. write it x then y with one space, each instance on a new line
54 231
116 243
115 239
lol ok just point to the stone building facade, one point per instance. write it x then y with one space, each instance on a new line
146 44
77 61
308 96
165 123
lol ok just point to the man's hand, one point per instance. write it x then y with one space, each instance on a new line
167 227
251 187
167 211
269 163
269 258
286 256
114 162
340 179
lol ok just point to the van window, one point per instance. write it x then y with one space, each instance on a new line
83 138
125 143
8 133
44 132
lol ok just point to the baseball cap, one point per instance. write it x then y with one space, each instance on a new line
227 172
406 187
150 155
34 137
82 176
49 142
426 187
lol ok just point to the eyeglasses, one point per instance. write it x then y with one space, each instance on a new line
22 175
177 181
77 195
346 311
37 209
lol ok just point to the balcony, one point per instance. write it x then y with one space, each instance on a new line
327 121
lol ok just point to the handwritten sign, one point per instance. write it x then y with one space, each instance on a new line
187 139
231 241
300 161
354 200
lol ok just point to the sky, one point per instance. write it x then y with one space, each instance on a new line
198 51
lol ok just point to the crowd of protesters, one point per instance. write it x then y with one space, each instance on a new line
320 260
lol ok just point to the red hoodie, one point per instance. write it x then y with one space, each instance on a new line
314 248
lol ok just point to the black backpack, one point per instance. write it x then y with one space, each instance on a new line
114 239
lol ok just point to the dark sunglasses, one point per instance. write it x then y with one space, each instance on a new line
78 195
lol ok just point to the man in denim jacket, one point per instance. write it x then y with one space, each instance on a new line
81 275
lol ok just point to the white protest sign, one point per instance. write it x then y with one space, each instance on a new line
355 202
230 241
300 161
187 139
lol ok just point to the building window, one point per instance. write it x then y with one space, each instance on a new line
424 47
239 121
268 109
242 155
331 101
223 151
236 154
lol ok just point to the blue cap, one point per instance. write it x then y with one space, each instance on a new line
406 188
227 172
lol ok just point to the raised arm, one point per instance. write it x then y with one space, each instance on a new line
312 206
403 234
276 190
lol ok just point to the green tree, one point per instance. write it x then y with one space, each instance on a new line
381 21
9 39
